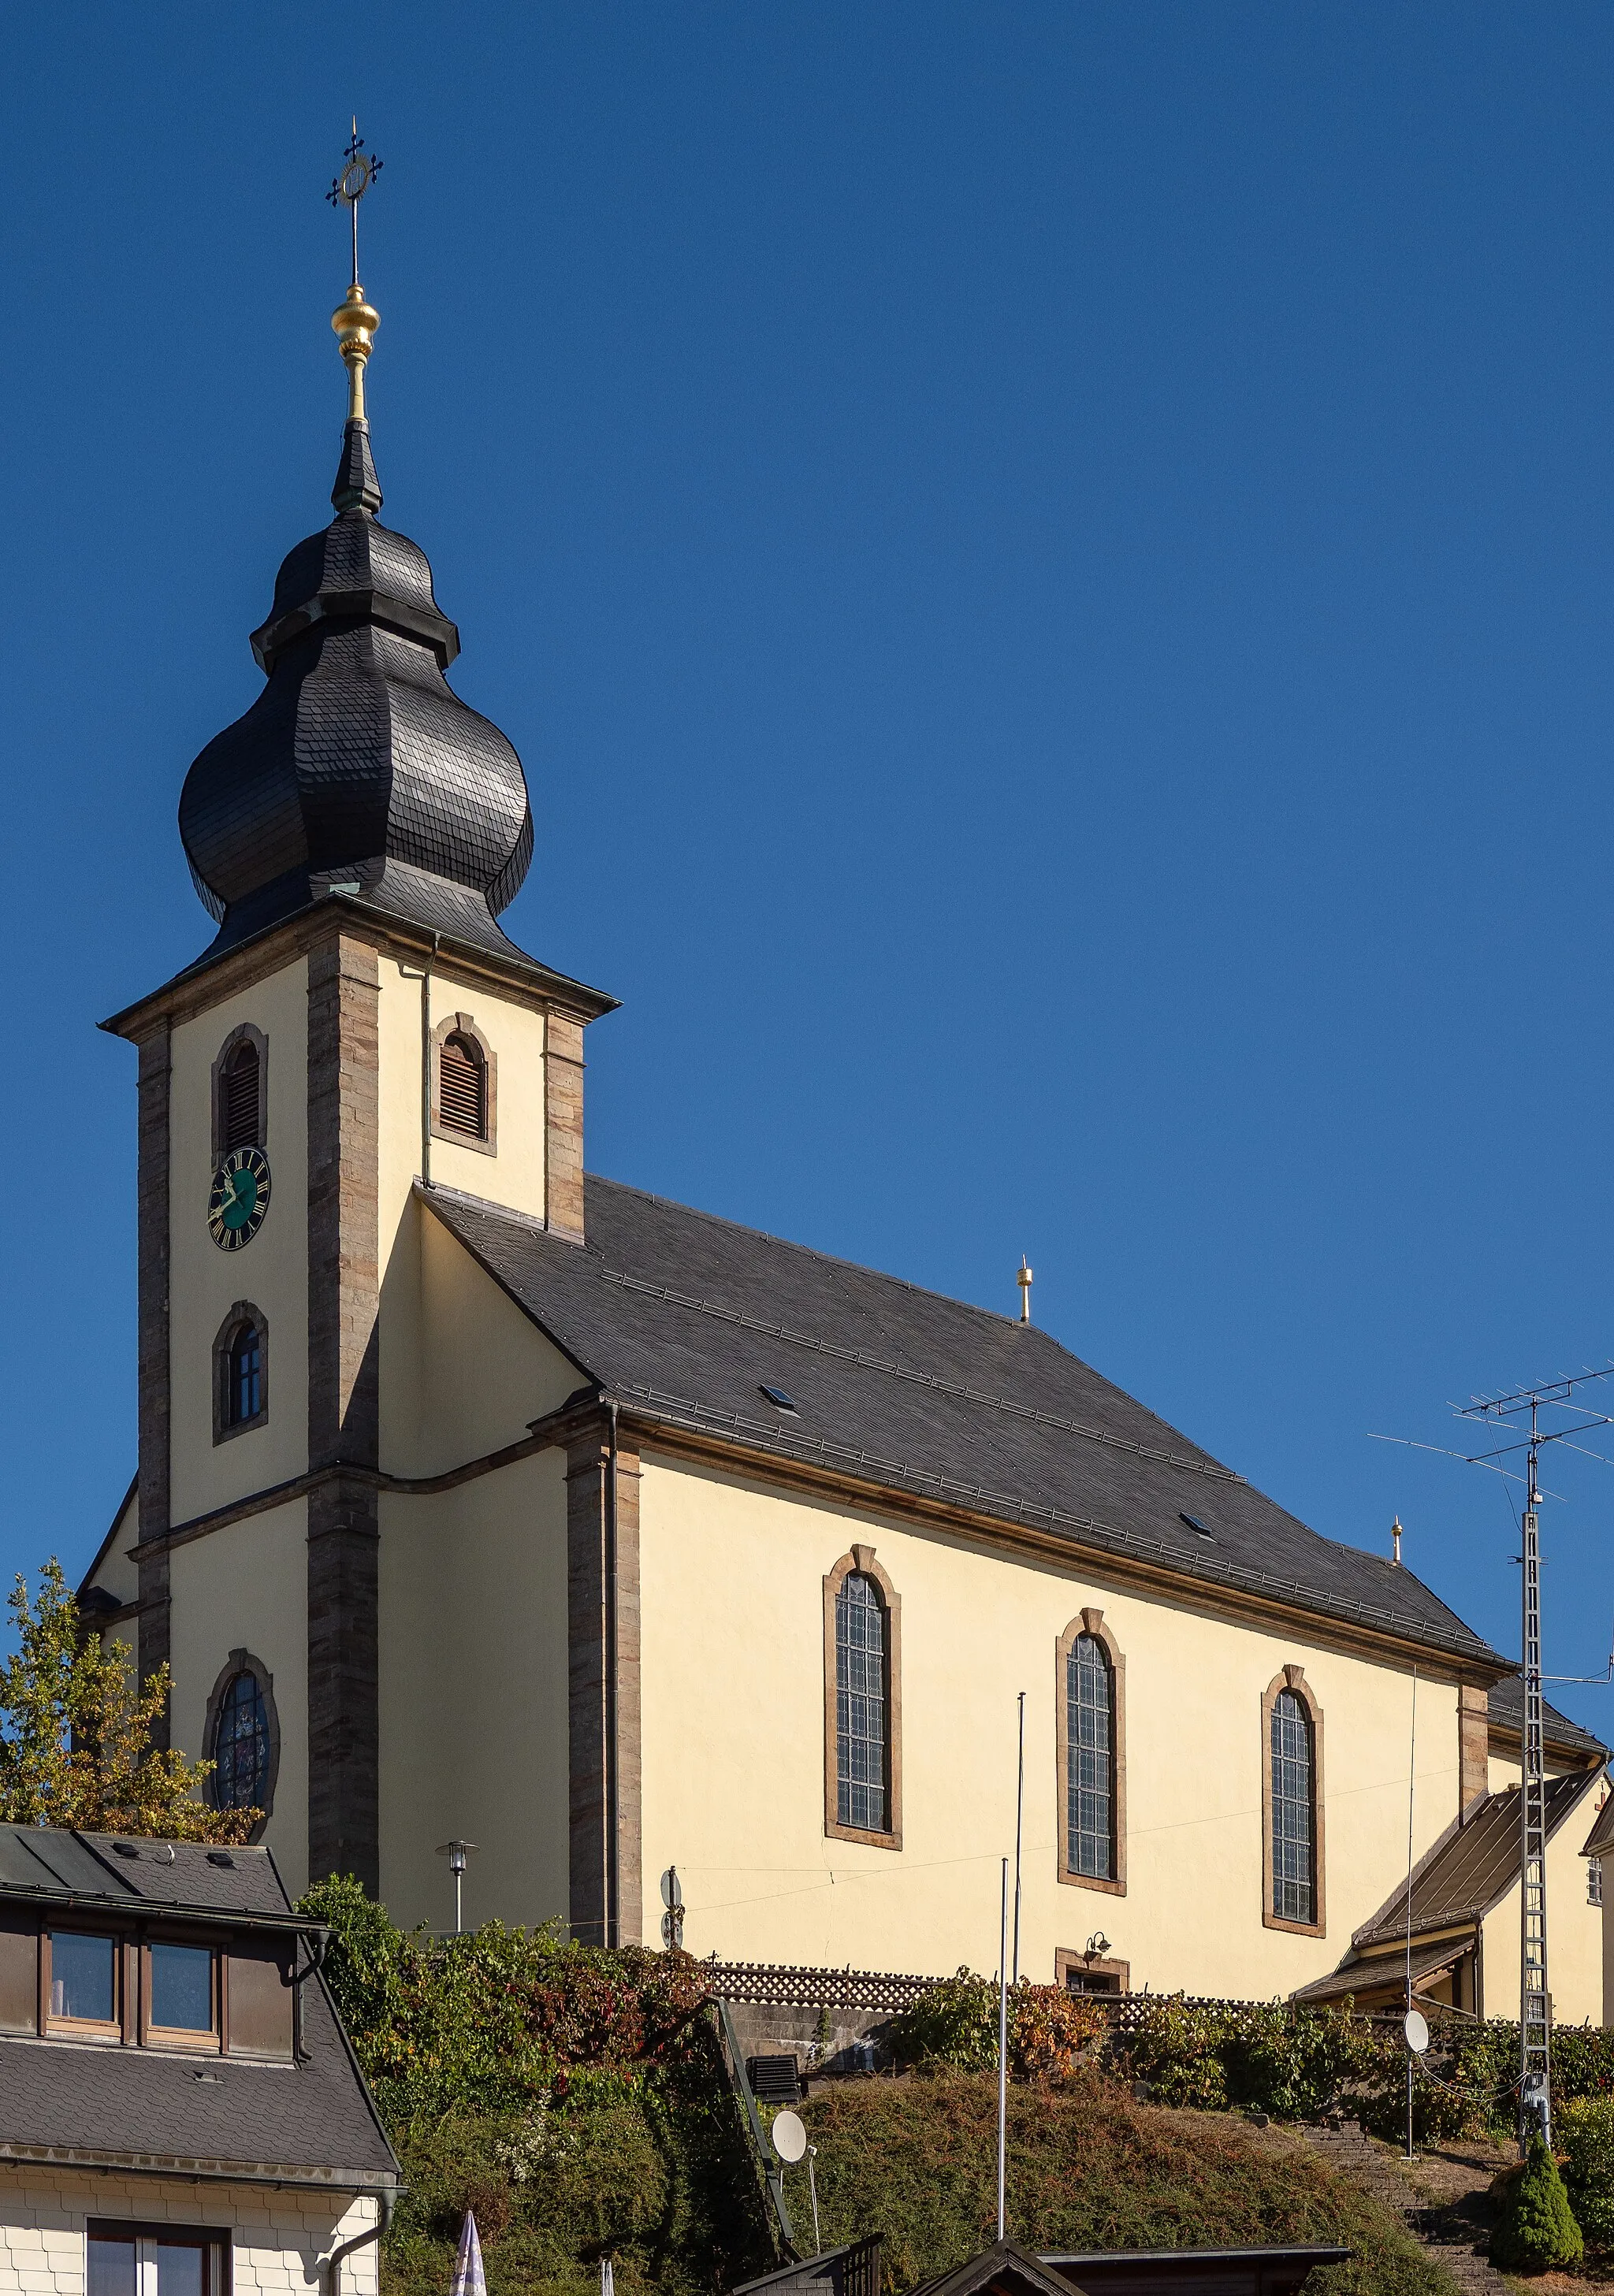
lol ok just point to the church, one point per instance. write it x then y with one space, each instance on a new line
484 1500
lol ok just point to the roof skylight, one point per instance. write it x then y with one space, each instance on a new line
777 1397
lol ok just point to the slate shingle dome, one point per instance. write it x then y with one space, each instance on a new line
357 766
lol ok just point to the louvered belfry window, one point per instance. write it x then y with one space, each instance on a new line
461 1086
238 1099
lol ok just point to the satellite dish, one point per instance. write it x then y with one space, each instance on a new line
1415 2025
789 2133
672 1890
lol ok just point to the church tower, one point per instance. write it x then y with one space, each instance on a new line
359 1030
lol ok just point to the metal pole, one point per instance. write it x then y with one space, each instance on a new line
1019 1815
1534 2013
1411 1791
459 1884
812 2186
1002 2045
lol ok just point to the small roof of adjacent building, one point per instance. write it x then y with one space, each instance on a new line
163 2110
691 1322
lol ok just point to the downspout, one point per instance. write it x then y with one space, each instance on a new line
333 2264
425 1066
612 1907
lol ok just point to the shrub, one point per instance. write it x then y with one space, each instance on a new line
956 2024
499 2020
1586 2132
1535 2230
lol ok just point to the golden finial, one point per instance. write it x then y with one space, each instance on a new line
354 320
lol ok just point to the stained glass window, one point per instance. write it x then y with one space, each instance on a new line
1294 1811
860 1693
241 1746
1090 1726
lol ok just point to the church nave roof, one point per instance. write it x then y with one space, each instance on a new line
688 1319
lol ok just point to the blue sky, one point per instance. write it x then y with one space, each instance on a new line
1049 566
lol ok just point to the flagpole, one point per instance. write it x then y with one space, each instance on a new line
1002 2044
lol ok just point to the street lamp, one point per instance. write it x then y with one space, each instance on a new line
457 1854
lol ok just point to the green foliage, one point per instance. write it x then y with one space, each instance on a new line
1585 2131
915 2161
77 1744
654 2176
1536 2229
956 2023
499 2020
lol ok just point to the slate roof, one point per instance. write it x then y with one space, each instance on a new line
684 1319
152 2109
358 763
1505 1702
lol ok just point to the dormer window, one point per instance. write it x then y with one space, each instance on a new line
83 1980
462 1085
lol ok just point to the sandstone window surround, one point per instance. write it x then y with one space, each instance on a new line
843 1699
1089 1628
1291 1759
241 1091
465 1086
237 1382
1090 1972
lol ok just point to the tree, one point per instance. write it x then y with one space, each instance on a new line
77 1734
1535 2228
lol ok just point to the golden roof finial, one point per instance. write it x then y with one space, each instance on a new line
354 320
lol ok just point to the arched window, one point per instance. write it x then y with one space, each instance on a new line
246 1375
1294 1893
243 1736
1090 1795
863 1713
240 1098
1292 1799
463 1093
1090 1695
241 1372
860 1704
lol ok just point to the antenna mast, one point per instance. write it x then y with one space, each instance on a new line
1534 2000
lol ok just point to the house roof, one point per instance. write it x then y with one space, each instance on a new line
685 1320
118 1870
1002 2270
1477 1863
165 2110
1386 1973
1505 1700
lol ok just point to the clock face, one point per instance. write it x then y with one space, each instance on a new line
240 1198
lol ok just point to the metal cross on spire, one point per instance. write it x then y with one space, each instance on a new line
359 169
353 319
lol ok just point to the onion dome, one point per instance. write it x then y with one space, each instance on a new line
357 769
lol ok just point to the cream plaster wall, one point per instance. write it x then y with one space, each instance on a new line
245 1587
419 1433
463 1372
734 1757
279 2236
1575 1935
271 1271
473 1677
118 1572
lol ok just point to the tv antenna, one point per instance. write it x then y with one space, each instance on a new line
1534 2009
